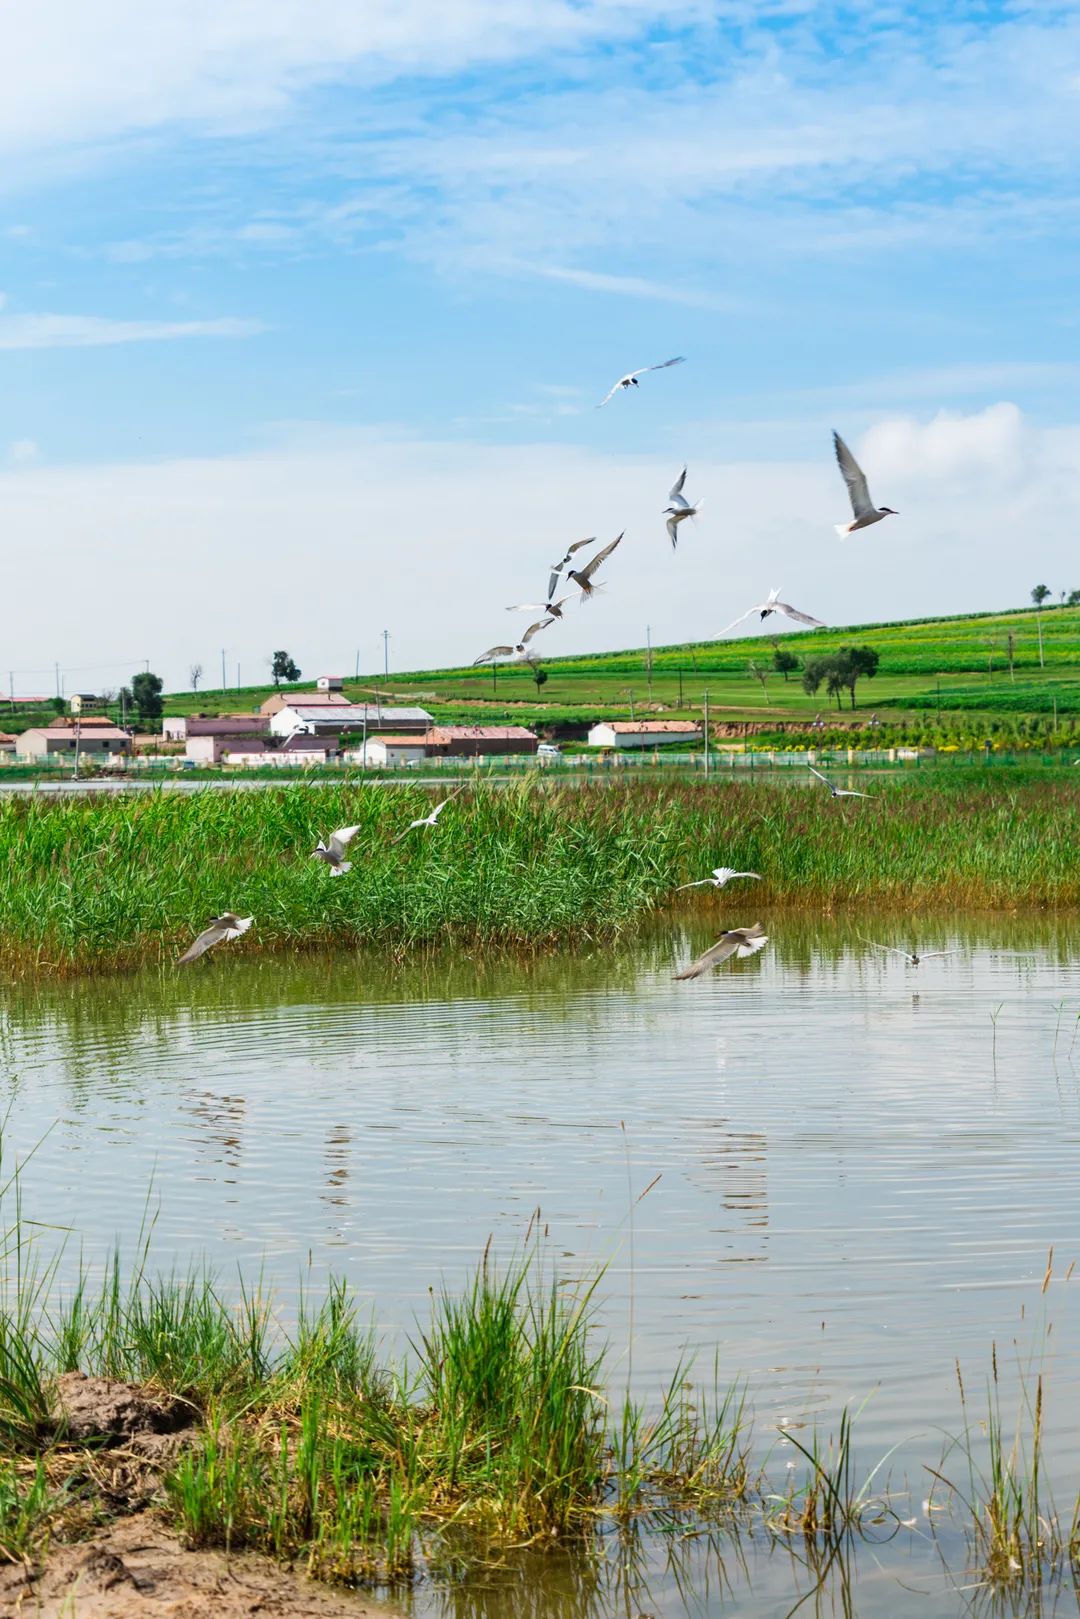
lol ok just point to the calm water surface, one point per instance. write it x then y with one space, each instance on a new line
862 1167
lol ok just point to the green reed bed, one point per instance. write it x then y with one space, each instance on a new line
499 1428
92 882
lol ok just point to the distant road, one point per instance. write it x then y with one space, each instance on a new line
177 784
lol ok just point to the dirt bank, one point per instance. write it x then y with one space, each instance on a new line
138 1569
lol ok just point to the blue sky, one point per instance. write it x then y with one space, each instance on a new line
306 308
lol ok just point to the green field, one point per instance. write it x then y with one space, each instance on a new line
955 667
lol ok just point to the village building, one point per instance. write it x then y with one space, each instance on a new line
391 750
209 738
472 741
90 736
295 750
335 718
642 733
330 683
310 699
7 743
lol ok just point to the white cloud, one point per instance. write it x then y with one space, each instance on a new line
236 519
95 331
628 286
22 452
991 444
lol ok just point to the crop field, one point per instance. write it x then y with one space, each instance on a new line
948 666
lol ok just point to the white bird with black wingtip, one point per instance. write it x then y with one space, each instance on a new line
863 508
678 509
837 792
333 851
773 604
630 380
226 926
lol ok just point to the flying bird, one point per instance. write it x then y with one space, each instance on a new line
583 576
735 942
721 875
773 604
427 820
516 654
333 852
865 512
552 608
631 378
910 956
838 792
679 509
557 567
226 926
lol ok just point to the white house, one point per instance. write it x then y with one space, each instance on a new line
642 733
391 750
330 683
42 741
174 728
330 719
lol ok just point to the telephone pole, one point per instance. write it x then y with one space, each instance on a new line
706 733
224 679
648 663
386 654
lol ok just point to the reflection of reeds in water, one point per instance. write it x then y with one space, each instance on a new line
97 882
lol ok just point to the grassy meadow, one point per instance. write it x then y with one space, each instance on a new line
89 883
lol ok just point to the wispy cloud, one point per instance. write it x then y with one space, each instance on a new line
95 331
629 286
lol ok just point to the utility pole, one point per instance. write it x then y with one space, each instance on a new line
357 676
386 654
238 677
680 688
224 681
11 687
648 664
706 734
1038 620
57 668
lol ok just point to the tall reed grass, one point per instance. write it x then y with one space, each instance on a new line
91 883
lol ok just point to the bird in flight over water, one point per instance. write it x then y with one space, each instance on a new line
910 956
735 942
226 926
863 508
631 378
720 877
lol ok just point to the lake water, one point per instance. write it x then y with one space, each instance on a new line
862 1168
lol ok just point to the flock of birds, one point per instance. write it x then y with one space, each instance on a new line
677 511
735 942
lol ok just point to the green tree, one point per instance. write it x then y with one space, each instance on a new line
855 663
146 695
1073 599
539 678
1039 594
814 672
282 668
784 662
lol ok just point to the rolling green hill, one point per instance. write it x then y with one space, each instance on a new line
958 668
